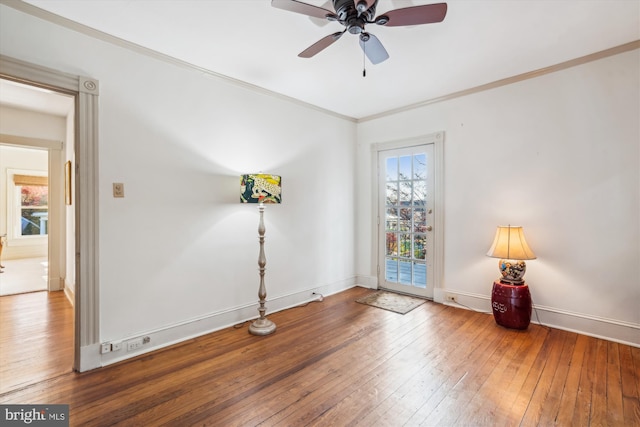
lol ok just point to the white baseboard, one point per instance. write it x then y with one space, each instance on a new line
183 331
370 282
599 327
70 294
89 357
54 284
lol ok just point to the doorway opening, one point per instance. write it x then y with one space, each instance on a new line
83 183
37 285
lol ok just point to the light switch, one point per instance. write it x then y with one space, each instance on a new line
118 189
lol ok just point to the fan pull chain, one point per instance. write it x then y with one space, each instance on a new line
364 63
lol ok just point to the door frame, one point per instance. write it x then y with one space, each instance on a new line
437 139
86 302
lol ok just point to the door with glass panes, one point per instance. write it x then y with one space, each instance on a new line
406 206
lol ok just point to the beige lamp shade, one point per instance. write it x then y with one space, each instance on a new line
509 243
510 246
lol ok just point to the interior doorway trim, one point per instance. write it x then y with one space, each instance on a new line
86 91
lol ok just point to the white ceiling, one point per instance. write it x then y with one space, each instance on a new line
480 41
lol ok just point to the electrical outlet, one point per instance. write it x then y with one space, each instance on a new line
116 346
105 347
451 298
134 344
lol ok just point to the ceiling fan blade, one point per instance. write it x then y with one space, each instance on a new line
416 15
373 48
321 22
303 8
321 45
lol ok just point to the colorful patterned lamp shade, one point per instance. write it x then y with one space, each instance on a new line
511 247
260 188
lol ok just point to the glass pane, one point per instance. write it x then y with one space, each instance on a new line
392 169
405 219
392 244
392 219
419 220
405 273
391 269
405 245
34 195
419 193
405 167
33 222
405 193
420 275
420 246
392 193
420 166
34 213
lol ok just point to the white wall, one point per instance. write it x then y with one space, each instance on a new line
31 124
178 254
559 155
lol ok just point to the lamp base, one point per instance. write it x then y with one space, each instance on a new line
262 326
512 271
511 305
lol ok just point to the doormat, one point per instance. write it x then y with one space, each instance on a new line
391 301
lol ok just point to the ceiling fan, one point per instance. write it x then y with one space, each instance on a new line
355 14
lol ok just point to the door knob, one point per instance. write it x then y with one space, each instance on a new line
429 228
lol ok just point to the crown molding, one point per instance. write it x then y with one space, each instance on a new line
83 29
510 80
91 32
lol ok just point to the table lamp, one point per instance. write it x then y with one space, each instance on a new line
510 296
511 247
261 188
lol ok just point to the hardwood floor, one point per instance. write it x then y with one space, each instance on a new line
342 363
36 338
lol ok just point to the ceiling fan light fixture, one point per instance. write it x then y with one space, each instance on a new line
355 26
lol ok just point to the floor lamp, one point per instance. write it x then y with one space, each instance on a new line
261 189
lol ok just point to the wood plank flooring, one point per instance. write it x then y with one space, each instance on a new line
36 338
340 363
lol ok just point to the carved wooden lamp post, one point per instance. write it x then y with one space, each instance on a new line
261 188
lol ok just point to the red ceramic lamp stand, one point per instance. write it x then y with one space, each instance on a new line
511 305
